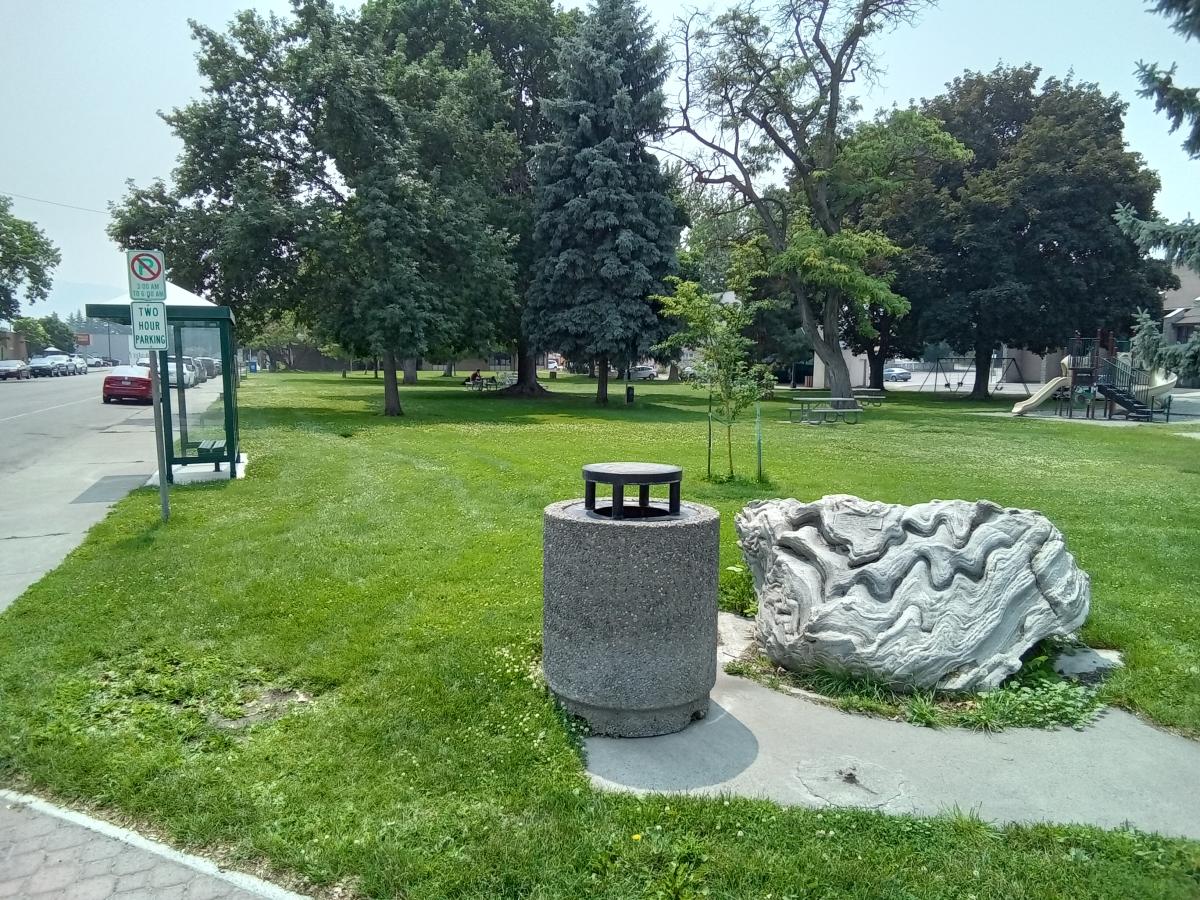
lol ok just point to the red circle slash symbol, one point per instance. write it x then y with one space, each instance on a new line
145 267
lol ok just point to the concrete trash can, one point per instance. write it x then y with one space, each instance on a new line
630 614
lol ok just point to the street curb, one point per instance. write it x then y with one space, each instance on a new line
198 864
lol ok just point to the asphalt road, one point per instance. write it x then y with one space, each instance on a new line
65 458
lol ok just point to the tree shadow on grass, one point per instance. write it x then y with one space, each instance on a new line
345 406
357 405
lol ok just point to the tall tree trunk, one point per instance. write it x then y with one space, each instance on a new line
448 371
527 381
983 370
391 392
824 337
602 381
376 366
836 370
875 361
410 371
673 373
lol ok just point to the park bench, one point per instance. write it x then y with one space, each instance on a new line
214 450
480 384
825 411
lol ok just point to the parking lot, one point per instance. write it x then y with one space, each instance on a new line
65 458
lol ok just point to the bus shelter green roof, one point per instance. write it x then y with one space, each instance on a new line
182 306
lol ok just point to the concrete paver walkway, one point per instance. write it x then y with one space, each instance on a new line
762 743
49 852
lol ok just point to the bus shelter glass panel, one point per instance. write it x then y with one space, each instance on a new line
199 371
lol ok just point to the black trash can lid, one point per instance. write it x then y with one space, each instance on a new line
632 473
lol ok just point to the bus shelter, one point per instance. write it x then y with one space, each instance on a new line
198 376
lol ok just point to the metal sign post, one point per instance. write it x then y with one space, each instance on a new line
156 395
147 270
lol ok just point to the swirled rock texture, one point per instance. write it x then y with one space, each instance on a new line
946 594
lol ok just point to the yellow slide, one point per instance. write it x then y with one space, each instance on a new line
1041 396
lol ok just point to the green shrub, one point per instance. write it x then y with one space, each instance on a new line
736 593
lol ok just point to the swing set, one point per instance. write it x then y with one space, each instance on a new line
952 373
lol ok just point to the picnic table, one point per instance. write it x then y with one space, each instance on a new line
825 410
869 396
480 384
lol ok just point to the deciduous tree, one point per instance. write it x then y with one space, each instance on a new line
329 174
27 261
32 332
522 38
1024 246
765 92
716 332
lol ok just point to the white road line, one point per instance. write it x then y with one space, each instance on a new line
34 412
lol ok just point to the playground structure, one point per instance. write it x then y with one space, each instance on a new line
1095 374
957 373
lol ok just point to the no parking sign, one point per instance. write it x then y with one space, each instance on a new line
147 271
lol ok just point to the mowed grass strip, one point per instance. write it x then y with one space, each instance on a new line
390 571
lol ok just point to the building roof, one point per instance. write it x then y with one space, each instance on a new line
1188 292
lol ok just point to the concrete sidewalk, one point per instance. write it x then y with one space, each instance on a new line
50 852
759 742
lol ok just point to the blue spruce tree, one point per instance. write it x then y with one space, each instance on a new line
605 229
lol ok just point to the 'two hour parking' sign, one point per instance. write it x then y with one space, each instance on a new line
149 321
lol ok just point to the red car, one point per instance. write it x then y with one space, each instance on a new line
127 383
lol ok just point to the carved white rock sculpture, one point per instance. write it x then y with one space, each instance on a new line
946 594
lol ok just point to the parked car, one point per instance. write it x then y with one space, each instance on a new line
199 376
189 371
209 365
14 368
643 373
895 373
81 364
96 362
127 383
48 366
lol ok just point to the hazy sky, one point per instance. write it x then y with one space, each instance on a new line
81 82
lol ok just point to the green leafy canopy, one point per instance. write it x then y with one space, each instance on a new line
27 261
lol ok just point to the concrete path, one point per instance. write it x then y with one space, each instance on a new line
762 743
65 459
50 852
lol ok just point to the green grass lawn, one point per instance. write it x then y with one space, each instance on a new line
390 570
